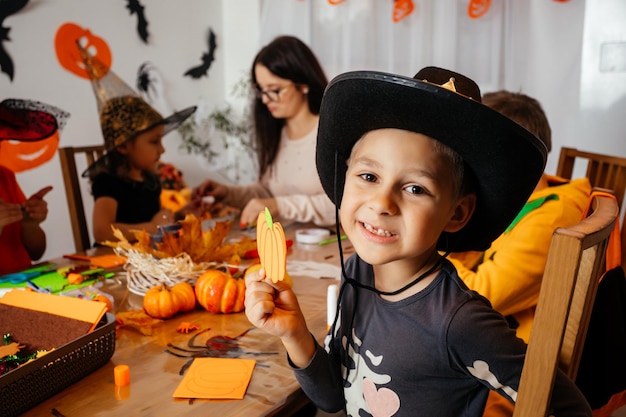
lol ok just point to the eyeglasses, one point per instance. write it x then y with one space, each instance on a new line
271 94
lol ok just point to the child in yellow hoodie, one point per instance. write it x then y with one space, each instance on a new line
509 273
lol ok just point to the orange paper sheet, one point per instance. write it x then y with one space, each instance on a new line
108 261
71 307
216 378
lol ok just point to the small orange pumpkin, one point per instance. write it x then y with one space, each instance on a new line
186 296
218 292
104 299
161 302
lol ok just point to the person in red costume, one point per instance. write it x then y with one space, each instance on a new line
22 240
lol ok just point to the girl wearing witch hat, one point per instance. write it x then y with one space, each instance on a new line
125 184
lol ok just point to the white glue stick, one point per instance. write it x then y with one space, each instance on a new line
331 305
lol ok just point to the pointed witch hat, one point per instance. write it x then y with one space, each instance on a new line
123 114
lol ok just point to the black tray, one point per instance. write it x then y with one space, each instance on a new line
36 381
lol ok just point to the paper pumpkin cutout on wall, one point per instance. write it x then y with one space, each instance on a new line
21 156
402 9
65 43
29 133
478 8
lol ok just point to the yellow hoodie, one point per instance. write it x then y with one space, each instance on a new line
509 272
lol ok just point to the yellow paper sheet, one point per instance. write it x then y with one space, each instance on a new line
216 378
71 307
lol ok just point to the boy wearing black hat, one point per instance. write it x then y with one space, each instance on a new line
416 166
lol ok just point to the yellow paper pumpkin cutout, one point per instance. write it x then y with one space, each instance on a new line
272 246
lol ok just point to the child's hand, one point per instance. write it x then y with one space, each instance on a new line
36 208
272 307
210 188
250 212
162 217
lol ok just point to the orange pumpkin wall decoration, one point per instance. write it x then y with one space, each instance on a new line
402 9
20 156
478 8
68 55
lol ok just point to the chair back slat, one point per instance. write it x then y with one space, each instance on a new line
604 171
72 182
574 265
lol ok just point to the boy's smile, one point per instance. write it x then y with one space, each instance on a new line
398 198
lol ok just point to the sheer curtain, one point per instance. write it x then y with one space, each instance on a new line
361 34
532 46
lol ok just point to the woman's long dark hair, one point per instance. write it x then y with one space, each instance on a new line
290 58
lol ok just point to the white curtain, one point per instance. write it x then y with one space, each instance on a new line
533 46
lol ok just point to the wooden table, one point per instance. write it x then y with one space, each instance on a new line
155 374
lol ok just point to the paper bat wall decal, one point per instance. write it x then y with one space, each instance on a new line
142 24
7 8
207 58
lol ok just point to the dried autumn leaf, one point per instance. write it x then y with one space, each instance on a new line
201 245
137 319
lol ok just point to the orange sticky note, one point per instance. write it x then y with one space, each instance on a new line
216 378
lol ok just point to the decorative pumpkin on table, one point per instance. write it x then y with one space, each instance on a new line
219 292
163 301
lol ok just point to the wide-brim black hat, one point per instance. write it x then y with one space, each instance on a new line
505 159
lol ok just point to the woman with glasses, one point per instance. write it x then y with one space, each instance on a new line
289 83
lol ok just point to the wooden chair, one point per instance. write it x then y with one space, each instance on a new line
574 265
71 178
603 171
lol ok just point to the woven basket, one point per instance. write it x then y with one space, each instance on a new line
36 381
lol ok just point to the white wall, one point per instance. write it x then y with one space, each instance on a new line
178 33
602 125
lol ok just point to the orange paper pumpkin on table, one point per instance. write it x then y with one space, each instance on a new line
272 246
68 54
218 292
